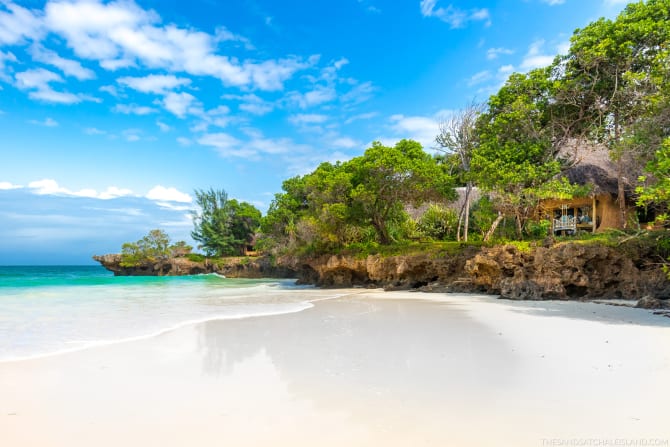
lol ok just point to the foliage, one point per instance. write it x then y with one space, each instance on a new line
153 247
195 257
439 223
515 157
222 226
658 189
359 201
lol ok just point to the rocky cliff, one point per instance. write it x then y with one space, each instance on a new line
241 267
565 271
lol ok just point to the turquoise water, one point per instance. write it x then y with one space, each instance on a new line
44 310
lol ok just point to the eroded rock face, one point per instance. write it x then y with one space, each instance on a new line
232 267
570 271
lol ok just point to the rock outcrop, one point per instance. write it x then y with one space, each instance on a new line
566 271
242 267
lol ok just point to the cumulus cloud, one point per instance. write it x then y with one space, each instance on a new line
18 24
38 82
251 103
420 128
479 77
159 84
51 187
170 194
181 104
4 186
494 53
318 95
455 17
133 109
557 2
67 66
535 57
120 34
256 144
307 118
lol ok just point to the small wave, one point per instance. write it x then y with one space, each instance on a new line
89 344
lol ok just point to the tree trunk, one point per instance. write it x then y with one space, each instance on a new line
382 231
468 190
494 225
621 193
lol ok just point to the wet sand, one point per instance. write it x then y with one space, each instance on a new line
367 369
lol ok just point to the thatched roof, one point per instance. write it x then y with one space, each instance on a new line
590 164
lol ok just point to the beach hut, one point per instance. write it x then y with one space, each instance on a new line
597 211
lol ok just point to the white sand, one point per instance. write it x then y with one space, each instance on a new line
372 368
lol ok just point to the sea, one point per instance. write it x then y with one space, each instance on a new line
46 310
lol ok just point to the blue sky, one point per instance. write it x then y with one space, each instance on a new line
112 113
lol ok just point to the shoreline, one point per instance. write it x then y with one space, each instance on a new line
368 368
433 296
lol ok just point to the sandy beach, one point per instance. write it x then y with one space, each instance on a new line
368 368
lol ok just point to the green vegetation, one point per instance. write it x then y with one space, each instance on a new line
360 201
153 247
223 227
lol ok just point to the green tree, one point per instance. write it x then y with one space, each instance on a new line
223 227
385 179
153 247
515 158
458 137
610 80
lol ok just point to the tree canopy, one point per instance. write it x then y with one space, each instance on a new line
222 226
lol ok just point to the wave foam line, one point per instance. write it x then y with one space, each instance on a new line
95 344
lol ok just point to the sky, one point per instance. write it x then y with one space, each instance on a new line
113 112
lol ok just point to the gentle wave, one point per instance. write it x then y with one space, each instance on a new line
88 344
47 310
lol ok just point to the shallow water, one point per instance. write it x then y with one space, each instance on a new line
44 310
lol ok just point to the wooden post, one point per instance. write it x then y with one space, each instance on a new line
594 214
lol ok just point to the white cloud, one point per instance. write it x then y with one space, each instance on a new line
556 2
535 58
455 17
38 82
7 185
133 109
163 127
479 78
48 122
109 89
17 24
229 146
4 57
359 93
132 135
159 84
361 116
181 104
94 131
506 70
318 95
423 129
67 66
251 103
162 194
494 53
120 34
345 143
307 118
51 187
